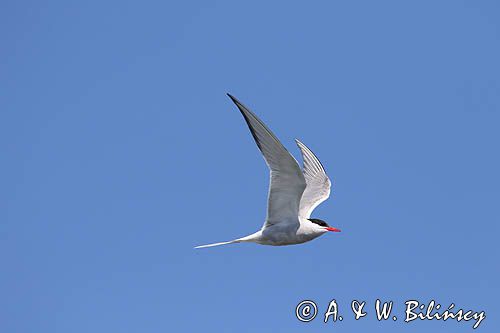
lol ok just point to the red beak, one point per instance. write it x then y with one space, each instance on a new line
333 229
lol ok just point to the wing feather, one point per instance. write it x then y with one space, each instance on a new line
287 181
318 183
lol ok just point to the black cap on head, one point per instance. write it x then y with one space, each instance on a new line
319 222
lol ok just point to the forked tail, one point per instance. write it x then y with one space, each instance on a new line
217 244
253 238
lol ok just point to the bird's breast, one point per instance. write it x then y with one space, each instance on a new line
286 235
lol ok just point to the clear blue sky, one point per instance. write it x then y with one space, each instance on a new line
121 151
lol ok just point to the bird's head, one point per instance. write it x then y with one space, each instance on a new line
323 226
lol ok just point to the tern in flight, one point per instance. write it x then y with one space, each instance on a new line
293 193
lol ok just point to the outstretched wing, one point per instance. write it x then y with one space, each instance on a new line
287 181
318 183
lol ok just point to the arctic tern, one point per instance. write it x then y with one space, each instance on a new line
293 193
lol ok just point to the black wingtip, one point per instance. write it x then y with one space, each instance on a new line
233 98
240 106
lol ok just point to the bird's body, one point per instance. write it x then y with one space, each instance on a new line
280 234
293 193
289 234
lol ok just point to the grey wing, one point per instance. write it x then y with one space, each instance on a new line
287 182
318 183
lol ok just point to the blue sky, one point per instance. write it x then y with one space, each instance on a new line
121 151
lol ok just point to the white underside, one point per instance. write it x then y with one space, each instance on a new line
279 234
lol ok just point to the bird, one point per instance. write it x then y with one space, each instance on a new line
293 192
